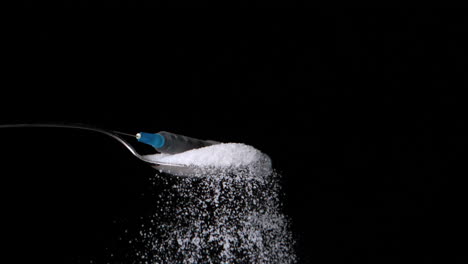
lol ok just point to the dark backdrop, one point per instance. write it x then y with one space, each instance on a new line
363 115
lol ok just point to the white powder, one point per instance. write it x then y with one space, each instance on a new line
220 155
231 215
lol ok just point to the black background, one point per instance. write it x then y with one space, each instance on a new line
363 113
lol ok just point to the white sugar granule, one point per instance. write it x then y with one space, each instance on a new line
232 215
219 155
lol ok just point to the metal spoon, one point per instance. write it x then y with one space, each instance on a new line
109 133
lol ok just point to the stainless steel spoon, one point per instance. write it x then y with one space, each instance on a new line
109 133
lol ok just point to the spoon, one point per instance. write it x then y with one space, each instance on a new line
110 133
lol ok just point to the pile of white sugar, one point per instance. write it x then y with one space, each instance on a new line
220 155
231 215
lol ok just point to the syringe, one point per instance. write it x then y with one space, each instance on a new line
170 143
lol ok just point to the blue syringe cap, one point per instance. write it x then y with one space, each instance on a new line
152 139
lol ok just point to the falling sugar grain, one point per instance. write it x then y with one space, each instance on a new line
227 211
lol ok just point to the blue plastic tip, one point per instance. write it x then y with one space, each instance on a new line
155 140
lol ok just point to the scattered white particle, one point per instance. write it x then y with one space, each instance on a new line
230 215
